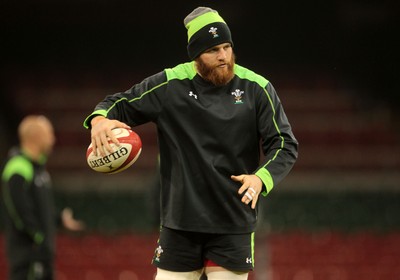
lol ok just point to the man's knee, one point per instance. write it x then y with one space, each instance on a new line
163 274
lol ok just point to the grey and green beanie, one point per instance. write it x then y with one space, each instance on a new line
206 28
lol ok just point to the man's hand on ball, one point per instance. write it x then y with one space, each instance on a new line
101 133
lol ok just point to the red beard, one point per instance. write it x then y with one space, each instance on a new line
215 75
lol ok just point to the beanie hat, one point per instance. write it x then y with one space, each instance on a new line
206 29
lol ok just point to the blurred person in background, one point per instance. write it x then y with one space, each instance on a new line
213 117
27 202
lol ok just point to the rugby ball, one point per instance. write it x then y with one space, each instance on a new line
123 156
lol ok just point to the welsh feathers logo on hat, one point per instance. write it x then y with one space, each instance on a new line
213 31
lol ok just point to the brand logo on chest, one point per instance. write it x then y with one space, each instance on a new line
42 180
192 94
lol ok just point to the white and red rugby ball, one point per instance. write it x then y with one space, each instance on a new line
122 157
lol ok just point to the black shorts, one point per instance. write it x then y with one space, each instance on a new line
184 251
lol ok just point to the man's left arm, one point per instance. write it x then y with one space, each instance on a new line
279 144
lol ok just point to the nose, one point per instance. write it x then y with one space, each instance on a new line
222 54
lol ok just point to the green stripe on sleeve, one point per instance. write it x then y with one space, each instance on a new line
263 173
95 113
266 177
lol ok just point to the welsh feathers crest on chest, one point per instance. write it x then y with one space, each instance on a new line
43 180
238 94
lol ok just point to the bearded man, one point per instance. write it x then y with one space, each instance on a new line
214 118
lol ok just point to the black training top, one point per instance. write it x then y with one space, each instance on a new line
206 134
29 212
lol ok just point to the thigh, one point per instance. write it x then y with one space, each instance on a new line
163 274
235 252
219 273
178 251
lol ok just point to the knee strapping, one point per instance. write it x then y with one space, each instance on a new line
163 274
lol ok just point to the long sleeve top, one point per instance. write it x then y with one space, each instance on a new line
206 134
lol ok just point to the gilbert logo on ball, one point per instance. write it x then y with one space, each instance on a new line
121 158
